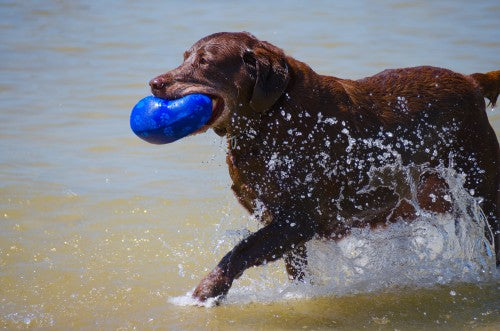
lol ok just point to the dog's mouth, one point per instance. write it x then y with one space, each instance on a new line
217 110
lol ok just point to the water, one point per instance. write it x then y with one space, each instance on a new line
101 230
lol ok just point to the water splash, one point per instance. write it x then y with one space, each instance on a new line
431 250
428 251
188 300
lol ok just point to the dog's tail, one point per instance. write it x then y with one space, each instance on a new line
489 84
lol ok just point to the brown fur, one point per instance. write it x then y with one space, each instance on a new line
315 155
489 84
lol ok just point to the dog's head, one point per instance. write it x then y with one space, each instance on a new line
243 75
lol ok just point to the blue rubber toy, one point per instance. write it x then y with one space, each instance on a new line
160 121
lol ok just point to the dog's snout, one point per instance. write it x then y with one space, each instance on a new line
157 83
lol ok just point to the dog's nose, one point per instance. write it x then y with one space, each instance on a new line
157 83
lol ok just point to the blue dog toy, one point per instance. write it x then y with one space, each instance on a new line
160 121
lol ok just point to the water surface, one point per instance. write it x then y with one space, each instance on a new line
101 230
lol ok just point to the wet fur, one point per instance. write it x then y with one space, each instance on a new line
277 108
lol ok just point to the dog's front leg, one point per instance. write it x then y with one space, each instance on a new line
268 244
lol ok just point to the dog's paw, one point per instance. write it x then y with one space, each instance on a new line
215 284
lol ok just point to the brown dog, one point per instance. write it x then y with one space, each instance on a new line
318 155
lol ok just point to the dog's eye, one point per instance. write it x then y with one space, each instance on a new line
202 61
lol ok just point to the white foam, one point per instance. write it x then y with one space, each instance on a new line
188 300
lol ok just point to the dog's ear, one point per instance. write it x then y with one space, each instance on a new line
267 64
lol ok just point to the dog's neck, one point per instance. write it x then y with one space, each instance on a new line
242 131
245 124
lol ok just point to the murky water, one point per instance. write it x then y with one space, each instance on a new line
100 230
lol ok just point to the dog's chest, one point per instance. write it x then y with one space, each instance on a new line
276 170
